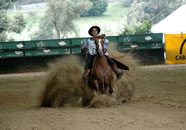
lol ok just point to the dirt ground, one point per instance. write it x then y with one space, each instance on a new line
159 103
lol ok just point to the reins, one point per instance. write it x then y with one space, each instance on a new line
133 49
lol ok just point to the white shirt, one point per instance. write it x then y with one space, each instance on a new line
92 46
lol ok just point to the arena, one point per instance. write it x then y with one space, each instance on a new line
158 102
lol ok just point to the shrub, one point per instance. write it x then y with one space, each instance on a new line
98 8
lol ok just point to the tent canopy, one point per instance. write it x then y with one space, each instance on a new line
174 23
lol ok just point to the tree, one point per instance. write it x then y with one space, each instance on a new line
145 27
5 4
60 16
18 24
127 3
7 24
151 10
45 31
144 13
98 8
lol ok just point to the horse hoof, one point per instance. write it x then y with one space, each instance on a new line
111 91
124 101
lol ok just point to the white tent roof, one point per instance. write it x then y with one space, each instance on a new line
174 23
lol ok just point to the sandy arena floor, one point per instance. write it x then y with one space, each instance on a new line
159 104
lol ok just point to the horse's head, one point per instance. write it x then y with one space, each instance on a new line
100 44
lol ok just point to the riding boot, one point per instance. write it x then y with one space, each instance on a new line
85 75
118 74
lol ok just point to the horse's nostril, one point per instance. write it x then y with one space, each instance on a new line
100 51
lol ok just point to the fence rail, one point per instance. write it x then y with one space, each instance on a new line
143 43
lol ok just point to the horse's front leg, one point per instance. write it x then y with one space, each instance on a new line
111 86
96 85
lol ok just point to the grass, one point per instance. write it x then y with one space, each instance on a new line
111 22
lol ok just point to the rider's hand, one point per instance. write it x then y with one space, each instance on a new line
105 50
84 49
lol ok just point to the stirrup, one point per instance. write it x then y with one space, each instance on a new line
120 74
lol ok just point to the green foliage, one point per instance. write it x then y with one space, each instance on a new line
98 8
151 10
9 25
3 25
3 21
3 36
5 4
45 31
127 31
127 3
60 16
145 27
18 24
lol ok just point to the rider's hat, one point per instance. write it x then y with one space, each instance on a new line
90 30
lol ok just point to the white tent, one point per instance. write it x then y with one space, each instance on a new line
174 23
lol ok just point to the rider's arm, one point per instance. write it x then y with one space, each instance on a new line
105 45
84 47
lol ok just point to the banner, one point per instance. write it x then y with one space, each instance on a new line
175 48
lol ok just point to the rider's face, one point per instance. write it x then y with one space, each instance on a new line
94 32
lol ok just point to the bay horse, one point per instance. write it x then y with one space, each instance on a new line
100 77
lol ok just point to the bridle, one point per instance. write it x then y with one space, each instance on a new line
100 52
99 47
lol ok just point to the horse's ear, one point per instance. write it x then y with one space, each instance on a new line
103 36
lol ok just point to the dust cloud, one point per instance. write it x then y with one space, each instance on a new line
63 85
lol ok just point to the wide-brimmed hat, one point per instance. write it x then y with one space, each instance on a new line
90 30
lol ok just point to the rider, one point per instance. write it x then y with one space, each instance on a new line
91 47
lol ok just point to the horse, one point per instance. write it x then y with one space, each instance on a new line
100 76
